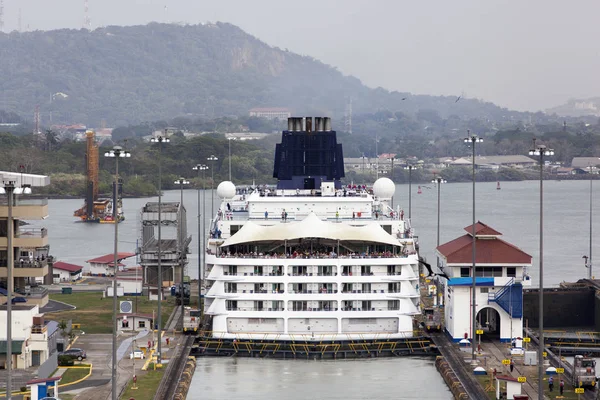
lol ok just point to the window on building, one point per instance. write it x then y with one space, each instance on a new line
488 272
141 324
125 323
484 290
465 272
511 272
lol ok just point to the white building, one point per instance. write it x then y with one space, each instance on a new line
134 322
271 113
104 266
501 273
65 272
33 340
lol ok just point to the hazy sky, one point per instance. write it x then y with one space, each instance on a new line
522 54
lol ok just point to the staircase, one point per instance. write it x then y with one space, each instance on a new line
509 298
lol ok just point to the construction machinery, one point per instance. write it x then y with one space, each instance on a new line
584 371
96 209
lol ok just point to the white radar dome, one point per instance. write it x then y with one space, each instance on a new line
384 188
226 190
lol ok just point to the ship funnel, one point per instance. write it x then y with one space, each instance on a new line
303 124
298 125
319 124
309 121
327 123
290 124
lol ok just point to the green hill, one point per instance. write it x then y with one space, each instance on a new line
133 74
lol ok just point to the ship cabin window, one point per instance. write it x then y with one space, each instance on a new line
258 306
387 228
365 270
234 228
394 287
488 272
231 287
258 271
511 272
366 305
299 306
465 272
231 305
299 270
366 288
347 270
326 271
231 270
392 270
394 305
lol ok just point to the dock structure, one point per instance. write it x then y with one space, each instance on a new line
174 245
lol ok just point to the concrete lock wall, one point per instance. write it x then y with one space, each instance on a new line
562 307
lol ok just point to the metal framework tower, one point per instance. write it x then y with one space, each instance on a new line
1 15
36 120
348 116
87 23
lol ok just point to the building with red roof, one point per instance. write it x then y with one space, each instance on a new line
501 271
105 266
65 272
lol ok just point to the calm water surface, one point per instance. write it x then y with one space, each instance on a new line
513 210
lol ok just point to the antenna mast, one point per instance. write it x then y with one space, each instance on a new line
348 116
87 23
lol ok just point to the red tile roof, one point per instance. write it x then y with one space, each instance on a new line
137 315
110 258
482 229
44 380
506 378
67 267
488 251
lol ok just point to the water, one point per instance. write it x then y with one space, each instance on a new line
514 211
249 379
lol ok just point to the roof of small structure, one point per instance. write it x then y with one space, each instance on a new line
67 267
137 315
110 258
490 250
507 378
311 227
481 229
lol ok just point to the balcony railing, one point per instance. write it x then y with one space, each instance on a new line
32 233
371 309
230 273
252 291
317 291
38 329
26 263
254 309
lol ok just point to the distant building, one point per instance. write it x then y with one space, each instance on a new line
270 113
105 266
65 272
134 322
585 162
491 162
246 135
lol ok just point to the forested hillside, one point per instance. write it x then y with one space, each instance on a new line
125 75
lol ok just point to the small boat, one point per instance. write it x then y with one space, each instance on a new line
419 191
498 186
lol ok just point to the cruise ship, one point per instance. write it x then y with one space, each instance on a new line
311 258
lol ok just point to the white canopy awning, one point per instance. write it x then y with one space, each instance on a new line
311 227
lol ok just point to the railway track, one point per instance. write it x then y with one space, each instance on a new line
466 378
170 380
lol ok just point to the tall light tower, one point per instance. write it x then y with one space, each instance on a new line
541 151
410 169
203 168
116 153
229 158
160 140
212 159
438 180
181 182
472 140
1 15
87 23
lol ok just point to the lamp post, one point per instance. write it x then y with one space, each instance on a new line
203 168
229 158
10 190
438 180
212 159
181 182
116 153
541 151
588 259
410 169
160 140
472 139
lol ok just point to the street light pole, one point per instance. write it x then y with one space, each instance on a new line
116 153
541 151
181 182
472 139
591 215
212 159
229 158
160 140
200 167
10 190
438 181
409 168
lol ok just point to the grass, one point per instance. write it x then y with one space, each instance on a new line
94 313
147 385
74 374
